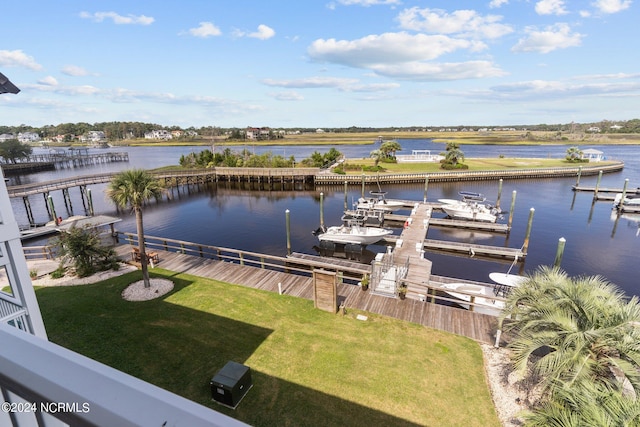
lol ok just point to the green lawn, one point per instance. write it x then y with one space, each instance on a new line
475 164
309 367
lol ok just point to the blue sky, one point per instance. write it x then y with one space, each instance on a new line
335 63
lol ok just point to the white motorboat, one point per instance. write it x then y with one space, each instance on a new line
378 202
628 201
470 211
483 297
354 234
471 208
507 279
366 217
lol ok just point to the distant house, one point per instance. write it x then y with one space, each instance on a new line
26 137
594 129
7 136
161 134
93 136
592 155
257 133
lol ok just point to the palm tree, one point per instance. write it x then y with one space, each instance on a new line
453 154
587 405
389 148
377 155
585 327
574 154
133 188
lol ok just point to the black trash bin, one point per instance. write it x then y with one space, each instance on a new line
230 384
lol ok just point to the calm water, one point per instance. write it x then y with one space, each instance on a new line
229 216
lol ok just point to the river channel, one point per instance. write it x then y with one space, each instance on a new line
251 218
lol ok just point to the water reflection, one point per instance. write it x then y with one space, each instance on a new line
251 216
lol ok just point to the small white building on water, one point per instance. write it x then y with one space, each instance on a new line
419 156
592 155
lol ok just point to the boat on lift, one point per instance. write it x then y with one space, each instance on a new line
352 233
470 212
618 201
470 208
378 201
484 300
366 217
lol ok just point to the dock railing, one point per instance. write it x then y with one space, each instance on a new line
242 257
38 252
433 291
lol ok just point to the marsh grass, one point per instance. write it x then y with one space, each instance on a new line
309 367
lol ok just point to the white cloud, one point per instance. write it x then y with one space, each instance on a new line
74 70
462 22
342 84
264 32
494 4
48 81
534 89
611 6
387 48
287 96
118 19
17 58
311 82
46 86
374 87
368 3
421 71
558 36
205 30
551 7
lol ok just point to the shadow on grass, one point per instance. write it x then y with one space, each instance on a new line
180 349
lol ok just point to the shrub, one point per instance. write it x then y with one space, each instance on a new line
59 272
82 248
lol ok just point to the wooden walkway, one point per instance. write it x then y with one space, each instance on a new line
478 327
411 247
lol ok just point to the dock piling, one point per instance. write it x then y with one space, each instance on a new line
579 175
288 227
27 207
345 196
513 204
426 188
624 193
90 200
499 193
52 209
321 209
525 245
595 191
559 252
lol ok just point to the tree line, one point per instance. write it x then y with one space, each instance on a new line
245 158
131 130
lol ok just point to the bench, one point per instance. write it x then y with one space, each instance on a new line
153 256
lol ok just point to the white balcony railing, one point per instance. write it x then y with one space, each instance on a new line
43 384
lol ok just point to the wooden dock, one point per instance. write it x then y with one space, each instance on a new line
409 248
605 189
470 225
478 327
473 249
